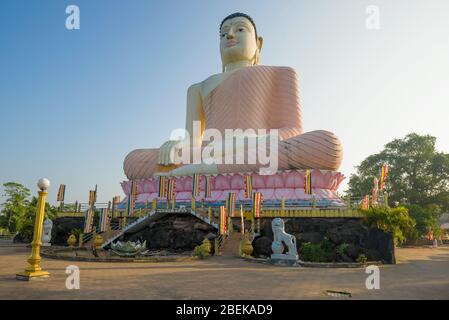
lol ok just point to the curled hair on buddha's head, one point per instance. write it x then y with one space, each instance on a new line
239 14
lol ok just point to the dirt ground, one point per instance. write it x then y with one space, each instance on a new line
421 273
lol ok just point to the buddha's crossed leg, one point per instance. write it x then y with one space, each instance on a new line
312 150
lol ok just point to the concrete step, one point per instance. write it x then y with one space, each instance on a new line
105 236
231 245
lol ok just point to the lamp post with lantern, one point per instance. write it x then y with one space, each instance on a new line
34 271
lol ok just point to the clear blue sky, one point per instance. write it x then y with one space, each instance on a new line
74 103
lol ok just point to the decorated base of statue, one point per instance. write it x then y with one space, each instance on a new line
284 260
288 184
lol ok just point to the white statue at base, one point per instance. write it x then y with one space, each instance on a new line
280 237
46 232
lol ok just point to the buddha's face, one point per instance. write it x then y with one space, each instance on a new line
238 40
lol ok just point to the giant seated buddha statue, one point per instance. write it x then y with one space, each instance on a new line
245 95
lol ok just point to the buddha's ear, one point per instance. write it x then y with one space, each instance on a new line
259 42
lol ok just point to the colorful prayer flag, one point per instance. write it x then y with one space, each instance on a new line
88 220
248 179
162 187
132 199
375 190
92 197
365 202
104 220
171 188
308 182
61 193
231 204
196 185
222 220
115 202
242 220
207 187
257 201
383 176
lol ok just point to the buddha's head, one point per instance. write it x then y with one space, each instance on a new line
239 40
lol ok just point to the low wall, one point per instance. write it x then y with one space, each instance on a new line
374 243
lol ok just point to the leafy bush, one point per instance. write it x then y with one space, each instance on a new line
317 252
341 249
77 233
394 220
4 231
362 259
203 250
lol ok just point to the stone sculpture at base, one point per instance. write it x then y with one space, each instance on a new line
281 238
46 232
129 248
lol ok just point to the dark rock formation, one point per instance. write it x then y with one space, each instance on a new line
19 238
375 244
175 232
262 246
62 227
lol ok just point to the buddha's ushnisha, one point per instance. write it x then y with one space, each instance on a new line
245 95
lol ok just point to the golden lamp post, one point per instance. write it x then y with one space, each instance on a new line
34 271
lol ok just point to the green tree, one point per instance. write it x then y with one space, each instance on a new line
418 174
18 213
426 219
393 220
25 222
15 206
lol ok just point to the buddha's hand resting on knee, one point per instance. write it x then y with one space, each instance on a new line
167 152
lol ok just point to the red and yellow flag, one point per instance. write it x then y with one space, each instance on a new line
207 187
61 193
162 187
248 179
231 204
383 176
196 185
257 204
171 188
308 182
223 222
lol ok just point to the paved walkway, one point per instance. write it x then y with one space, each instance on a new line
421 273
